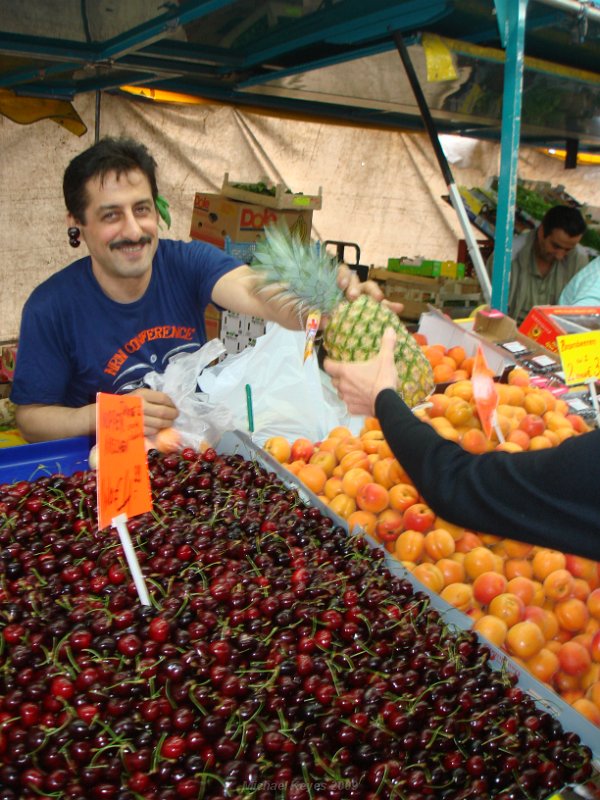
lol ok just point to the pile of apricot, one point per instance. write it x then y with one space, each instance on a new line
541 606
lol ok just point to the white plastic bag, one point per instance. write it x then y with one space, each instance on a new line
200 420
290 397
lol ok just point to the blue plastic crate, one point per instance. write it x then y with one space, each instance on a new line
242 250
28 462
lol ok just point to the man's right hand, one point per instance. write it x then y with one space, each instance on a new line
159 410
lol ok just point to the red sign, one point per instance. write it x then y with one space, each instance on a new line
123 477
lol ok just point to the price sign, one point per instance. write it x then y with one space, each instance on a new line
485 393
123 478
580 356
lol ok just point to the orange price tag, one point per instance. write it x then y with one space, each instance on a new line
485 393
123 477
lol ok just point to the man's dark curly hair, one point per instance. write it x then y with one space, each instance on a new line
106 156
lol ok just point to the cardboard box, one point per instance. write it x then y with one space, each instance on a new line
440 329
427 267
214 217
496 327
417 293
544 323
281 199
212 323
239 331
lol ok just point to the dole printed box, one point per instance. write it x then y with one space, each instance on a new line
214 217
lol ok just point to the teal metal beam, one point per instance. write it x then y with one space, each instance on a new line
511 20
158 28
362 22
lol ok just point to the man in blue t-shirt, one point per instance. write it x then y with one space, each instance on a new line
124 310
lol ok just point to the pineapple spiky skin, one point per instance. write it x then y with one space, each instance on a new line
307 278
354 332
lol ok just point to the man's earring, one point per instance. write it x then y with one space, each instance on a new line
74 234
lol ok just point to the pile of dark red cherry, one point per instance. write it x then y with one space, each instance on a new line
279 658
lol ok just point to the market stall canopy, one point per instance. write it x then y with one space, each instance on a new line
323 59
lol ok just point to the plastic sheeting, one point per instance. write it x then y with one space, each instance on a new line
381 189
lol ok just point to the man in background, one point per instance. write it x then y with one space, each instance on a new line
548 258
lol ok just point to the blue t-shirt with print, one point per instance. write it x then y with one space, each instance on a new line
75 341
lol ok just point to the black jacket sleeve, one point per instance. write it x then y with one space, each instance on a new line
546 497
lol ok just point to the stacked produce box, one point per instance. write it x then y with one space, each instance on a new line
234 220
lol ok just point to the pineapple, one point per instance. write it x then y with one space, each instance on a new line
307 277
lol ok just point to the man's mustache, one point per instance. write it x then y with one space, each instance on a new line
130 243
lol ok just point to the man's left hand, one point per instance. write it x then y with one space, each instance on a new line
349 283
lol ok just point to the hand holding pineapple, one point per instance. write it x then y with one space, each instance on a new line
305 278
358 384
348 281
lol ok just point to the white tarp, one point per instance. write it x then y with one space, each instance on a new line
381 190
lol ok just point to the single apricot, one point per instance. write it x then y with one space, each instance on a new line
443 373
543 665
587 709
487 585
372 497
545 561
452 570
409 546
457 353
353 479
507 607
430 576
572 614
468 364
462 389
520 438
343 505
355 459
478 560
467 542
339 432
371 440
362 519
475 441
328 445
459 595
558 584
439 543
333 487
456 531
402 495
434 354
313 476
347 446
370 424
439 403
518 377
327 461
278 447
535 403
492 628
389 525
523 587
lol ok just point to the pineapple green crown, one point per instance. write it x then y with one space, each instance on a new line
306 273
